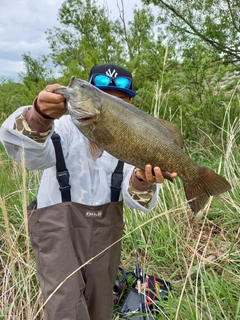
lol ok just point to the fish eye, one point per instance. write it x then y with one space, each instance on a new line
83 85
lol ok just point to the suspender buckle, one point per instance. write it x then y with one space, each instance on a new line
63 179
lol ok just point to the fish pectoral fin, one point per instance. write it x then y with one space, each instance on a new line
95 151
104 136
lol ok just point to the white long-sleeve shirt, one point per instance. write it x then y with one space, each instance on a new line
90 180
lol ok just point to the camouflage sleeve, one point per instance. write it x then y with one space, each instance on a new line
22 126
141 191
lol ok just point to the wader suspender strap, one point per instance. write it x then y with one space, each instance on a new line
63 174
116 181
62 171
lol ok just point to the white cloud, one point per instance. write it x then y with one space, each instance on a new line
7 68
22 29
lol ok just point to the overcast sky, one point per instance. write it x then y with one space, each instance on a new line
22 29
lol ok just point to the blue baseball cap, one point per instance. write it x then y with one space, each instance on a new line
112 77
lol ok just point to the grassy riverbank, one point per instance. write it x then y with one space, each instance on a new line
199 254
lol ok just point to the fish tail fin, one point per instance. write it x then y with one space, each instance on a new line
209 183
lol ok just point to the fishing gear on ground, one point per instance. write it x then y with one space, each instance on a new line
145 291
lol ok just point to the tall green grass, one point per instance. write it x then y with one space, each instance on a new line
199 254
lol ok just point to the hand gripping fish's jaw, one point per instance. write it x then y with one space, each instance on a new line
63 91
209 183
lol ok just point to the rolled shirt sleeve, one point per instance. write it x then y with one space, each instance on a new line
143 198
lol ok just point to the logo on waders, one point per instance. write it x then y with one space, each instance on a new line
94 214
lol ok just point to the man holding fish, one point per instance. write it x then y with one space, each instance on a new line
70 234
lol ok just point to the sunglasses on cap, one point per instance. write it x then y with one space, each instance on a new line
102 80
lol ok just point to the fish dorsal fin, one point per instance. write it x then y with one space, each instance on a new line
95 151
175 132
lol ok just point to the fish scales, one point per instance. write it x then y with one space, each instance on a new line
138 138
138 142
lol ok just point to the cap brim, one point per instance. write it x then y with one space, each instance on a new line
131 93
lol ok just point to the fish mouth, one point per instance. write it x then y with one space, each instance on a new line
84 119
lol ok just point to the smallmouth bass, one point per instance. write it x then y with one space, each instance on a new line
138 138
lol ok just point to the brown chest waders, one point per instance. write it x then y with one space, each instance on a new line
67 235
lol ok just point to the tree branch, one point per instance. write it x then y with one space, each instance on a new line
215 44
122 18
232 16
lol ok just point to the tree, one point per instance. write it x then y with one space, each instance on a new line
215 22
36 76
10 97
86 37
89 36
174 82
